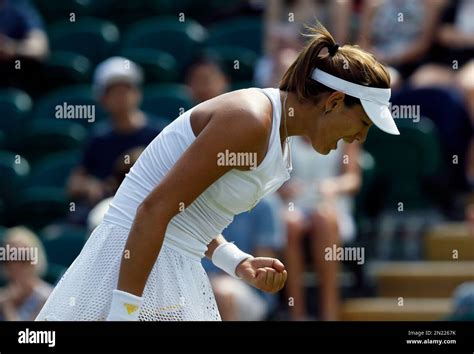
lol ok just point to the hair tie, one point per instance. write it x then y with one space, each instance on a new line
333 49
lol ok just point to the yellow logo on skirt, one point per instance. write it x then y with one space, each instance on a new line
131 308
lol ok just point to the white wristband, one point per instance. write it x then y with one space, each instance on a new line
124 307
228 256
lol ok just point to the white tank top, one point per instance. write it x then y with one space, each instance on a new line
237 191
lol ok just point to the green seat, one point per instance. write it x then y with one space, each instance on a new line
158 66
63 243
60 10
93 38
54 170
78 95
14 170
166 100
42 137
246 32
37 207
404 162
122 13
54 272
168 34
237 62
201 10
238 85
15 105
65 69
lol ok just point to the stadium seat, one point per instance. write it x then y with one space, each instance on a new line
239 85
65 69
158 66
403 163
54 272
46 106
63 243
204 9
14 170
166 100
168 34
93 38
237 62
37 207
60 10
446 109
15 105
122 13
45 136
53 170
244 32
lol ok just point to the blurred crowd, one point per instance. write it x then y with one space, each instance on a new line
87 85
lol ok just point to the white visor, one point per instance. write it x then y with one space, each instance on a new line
375 101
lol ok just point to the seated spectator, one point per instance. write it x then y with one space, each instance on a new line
25 293
206 79
452 62
22 38
260 233
117 86
318 203
463 300
284 20
399 33
123 164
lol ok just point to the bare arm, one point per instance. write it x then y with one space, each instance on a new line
83 185
34 45
219 240
349 181
191 175
420 45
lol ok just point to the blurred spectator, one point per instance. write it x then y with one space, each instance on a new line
117 86
23 43
260 233
284 20
25 293
123 164
463 303
399 32
318 202
452 62
206 79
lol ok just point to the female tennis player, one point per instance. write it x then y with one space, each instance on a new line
143 261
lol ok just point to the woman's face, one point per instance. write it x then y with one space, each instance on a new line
340 122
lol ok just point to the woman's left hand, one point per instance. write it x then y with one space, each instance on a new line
267 274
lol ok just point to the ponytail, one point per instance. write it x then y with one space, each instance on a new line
348 62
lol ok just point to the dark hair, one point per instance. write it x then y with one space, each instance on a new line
347 62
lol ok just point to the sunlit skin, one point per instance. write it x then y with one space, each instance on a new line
326 122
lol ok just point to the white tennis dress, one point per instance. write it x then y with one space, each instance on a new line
178 288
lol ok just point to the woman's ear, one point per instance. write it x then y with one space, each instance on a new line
335 101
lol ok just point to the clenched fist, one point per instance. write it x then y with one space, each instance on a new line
267 274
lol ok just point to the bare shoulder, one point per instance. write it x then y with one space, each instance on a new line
246 111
